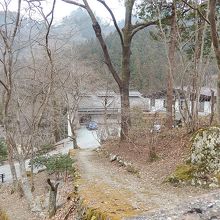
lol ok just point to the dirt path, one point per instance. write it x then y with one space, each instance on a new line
124 194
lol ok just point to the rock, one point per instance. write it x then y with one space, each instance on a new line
125 163
113 157
98 149
205 151
118 158
210 205
131 169
203 166
213 185
191 217
121 162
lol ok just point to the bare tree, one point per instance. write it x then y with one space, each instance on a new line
170 51
25 98
216 45
126 35
171 60
8 34
74 82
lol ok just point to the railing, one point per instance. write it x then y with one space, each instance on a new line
2 176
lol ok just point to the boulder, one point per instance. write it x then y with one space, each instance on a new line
205 149
113 157
203 166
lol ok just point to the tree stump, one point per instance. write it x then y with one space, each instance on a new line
52 198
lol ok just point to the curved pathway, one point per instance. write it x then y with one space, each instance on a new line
112 189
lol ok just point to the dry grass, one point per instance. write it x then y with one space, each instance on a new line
172 147
137 148
3 215
107 200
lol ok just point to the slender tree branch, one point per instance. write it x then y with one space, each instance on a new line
53 187
4 85
48 30
140 26
114 20
74 3
17 20
98 32
197 9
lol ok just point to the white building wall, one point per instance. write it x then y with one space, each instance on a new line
207 109
159 106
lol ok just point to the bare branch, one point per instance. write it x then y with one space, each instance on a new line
3 84
140 26
196 9
114 20
98 33
17 20
53 187
74 3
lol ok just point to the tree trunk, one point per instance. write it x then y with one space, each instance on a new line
171 57
197 76
212 107
216 45
25 182
8 139
11 164
32 168
56 130
218 97
73 135
106 115
75 145
125 113
52 198
124 89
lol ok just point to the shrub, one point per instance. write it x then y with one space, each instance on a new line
57 163
45 148
3 151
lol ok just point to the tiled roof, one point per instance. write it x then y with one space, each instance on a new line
97 101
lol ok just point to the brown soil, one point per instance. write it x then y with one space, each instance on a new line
17 208
171 148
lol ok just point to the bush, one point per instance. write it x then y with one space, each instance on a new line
3 151
57 163
45 148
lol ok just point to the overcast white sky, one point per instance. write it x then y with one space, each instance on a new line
64 9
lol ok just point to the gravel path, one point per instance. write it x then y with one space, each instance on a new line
142 196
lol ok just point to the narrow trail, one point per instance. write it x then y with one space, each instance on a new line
110 188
